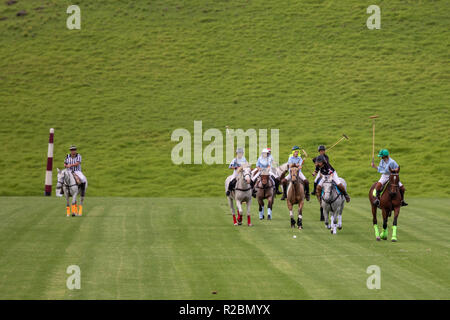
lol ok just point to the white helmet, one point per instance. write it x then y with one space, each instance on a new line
265 150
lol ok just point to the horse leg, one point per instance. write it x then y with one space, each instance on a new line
334 222
384 234
300 216
74 204
291 214
284 184
66 193
231 204
394 224
326 213
249 202
269 208
80 207
239 211
341 208
261 208
375 223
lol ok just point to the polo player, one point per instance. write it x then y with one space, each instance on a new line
73 163
325 170
386 163
235 164
296 160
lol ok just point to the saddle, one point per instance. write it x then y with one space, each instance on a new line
77 179
336 187
374 192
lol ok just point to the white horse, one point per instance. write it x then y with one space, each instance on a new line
332 201
242 193
67 185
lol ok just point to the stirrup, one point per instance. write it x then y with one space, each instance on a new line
404 204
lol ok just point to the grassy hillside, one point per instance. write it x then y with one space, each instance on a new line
137 70
150 248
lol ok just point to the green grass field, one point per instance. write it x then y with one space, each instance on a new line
137 70
156 248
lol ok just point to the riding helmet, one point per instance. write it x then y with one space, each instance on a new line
72 147
321 158
295 148
383 153
321 147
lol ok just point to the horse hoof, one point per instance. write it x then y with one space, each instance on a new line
340 228
235 224
378 239
269 217
250 225
300 227
394 240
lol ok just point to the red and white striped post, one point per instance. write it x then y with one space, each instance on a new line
48 174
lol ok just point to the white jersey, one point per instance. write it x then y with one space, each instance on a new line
72 160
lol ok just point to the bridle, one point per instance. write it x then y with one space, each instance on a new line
394 186
63 182
245 175
330 191
264 186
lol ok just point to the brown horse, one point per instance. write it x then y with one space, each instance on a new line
390 201
295 195
265 190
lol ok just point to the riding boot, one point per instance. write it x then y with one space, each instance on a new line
322 218
344 192
402 192
314 189
252 184
277 186
284 193
306 183
83 188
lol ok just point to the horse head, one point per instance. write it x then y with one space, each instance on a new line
246 172
60 180
327 188
264 177
294 173
394 180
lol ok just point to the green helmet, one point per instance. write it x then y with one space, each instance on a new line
383 153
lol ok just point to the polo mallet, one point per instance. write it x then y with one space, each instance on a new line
306 157
344 136
373 136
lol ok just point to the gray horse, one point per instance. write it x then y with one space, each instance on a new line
334 202
241 193
67 185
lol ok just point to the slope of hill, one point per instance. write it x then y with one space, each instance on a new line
136 71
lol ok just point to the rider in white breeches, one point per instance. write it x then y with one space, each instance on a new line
296 160
235 164
73 163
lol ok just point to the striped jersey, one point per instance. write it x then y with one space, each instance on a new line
72 160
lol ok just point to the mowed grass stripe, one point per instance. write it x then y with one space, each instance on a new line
156 248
